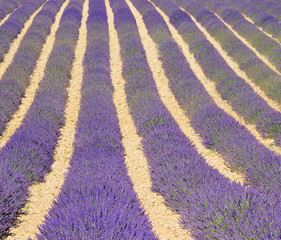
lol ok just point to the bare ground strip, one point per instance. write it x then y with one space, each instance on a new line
165 222
167 97
211 88
43 194
267 34
245 42
5 18
9 56
35 79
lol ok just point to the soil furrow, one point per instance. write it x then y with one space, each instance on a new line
244 41
8 15
35 79
211 88
43 194
165 222
9 56
236 67
267 34
5 18
167 97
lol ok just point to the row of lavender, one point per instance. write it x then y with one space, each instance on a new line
232 88
239 94
263 76
259 12
218 130
272 7
17 76
206 200
183 178
268 122
28 155
8 6
97 200
14 24
264 44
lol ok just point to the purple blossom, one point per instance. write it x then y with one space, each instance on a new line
97 200
28 155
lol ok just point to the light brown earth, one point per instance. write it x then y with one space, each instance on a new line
164 221
267 34
5 18
167 97
260 56
9 56
236 67
211 88
35 79
44 193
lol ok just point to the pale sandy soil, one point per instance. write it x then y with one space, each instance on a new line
5 18
44 193
167 97
35 79
8 58
211 89
260 56
8 15
267 34
164 221
235 65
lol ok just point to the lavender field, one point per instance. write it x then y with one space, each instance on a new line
140 119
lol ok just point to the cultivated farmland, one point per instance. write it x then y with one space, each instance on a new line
140 119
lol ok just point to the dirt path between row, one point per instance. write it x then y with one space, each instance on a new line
5 18
9 56
44 193
167 97
8 15
211 88
244 41
35 79
267 34
164 221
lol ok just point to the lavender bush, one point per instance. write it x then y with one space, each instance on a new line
8 6
28 156
232 88
272 8
205 199
240 149
97 200
274 1
262 43
17 76
267 22
14 24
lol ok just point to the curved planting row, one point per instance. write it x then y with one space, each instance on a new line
268 23
8 6
262 43
218 130
253 108
29 153
276 1
205 199
14 24
17 76
271 7
273 1
97 189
